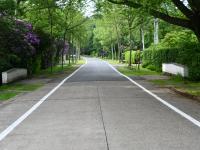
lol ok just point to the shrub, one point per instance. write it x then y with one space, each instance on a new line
154 57
134 58
18 44
177 47
185 38
36 65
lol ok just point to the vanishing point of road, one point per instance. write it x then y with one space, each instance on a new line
95 109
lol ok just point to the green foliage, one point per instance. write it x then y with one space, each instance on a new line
127 56
7 7
135 56
155 56
36 65
177 47
10 90
7 95
180 84
179 39
133 71
94 53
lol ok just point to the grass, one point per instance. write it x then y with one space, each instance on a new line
132 71
180 84
112 62
7 95
11 90
57 70
177 82
81 62
20 87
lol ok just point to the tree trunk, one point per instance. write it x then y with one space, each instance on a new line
115 53
196 22
130 23
130 56
51 33
64 38
112 47
69 56
112 51
118 41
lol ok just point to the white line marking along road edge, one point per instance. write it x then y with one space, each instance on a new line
11 127
183 114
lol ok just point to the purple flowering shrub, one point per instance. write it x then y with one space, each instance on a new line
26 30
32 38
17 39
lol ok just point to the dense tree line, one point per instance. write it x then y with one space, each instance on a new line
147 32
39 34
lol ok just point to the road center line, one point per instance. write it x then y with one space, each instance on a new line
183 114
11 127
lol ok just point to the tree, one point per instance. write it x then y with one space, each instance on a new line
71 22
7 7
190 18
109 28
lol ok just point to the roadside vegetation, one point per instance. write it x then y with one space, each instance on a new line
44 37
59 69
147 37
112 62
180 84
13 89
38 35
47 37
134 71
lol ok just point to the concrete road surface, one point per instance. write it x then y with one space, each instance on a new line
96 109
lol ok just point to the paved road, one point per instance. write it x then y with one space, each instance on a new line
97 109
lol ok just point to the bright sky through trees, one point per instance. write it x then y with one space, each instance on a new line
89 8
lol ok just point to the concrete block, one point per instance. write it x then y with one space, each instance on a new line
13 75
176 69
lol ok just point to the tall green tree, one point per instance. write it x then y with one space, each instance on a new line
190 11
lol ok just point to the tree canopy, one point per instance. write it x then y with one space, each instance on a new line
39 34
182 13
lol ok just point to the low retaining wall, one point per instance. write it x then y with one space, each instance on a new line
176 69
13 75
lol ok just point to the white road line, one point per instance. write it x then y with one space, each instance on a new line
10 128
183 114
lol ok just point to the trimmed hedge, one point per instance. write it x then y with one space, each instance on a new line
154 57
134 58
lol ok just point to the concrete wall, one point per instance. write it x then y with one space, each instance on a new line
176 69
13 75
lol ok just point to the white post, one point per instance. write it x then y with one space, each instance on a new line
156 29
142 34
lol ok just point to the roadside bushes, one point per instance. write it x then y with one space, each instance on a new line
135 56
23 46
154 56
19 44
177 47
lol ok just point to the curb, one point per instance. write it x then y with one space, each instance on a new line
185 94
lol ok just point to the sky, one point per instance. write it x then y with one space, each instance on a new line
90 8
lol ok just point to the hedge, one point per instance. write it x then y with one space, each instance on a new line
134 58
190 57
